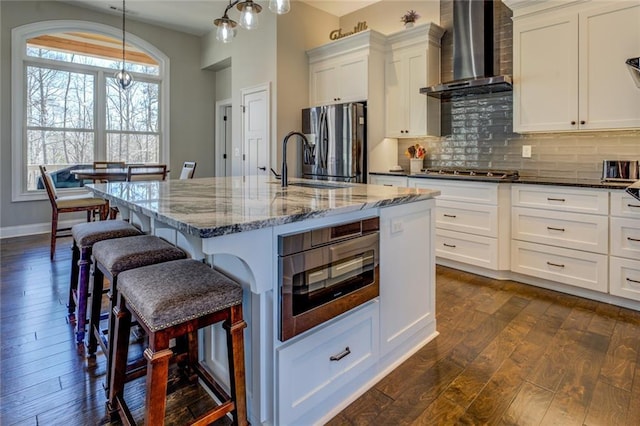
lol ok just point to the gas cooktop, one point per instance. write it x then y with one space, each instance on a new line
472 173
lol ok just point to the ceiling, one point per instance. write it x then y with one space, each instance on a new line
196 16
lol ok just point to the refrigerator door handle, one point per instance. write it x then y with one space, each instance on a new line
323 142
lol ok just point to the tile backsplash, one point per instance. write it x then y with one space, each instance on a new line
479 128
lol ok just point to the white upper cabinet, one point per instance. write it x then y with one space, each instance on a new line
569 66
341 71
412 62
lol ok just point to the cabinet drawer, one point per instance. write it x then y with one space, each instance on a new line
624 279
478 219
561 198
570 230
465 191
573 267
625 237
624 205
388 180
472 249
307 375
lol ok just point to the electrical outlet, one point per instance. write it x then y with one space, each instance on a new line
396 226
526 151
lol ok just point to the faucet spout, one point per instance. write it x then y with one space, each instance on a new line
283 173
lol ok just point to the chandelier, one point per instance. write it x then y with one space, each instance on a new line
123 78
248 17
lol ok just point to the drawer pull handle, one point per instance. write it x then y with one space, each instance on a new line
449 245
557 265
387 184
341 355
633 205
633 281
633 239
551 228
556 199
453 216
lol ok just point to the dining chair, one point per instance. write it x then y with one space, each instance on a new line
69 204
146 172
188 170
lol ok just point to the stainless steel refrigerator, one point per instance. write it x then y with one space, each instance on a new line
337 142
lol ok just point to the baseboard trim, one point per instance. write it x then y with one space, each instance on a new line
34 228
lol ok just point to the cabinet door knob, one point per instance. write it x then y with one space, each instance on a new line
573 123
583 122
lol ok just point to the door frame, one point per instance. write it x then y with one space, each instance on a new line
263 87
219 143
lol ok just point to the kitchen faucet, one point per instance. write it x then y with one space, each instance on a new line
283 174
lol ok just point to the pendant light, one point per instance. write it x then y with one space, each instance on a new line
123 78
226 27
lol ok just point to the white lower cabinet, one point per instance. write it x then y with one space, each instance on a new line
327 360
624 278
567 266
387 180
472 223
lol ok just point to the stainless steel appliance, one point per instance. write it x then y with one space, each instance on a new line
633 65
619 170
325 272
474 63
337 142
634 191
472 173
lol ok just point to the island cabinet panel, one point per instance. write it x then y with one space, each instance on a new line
315 371
582 83
407 280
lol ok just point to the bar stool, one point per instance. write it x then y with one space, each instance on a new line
170 300
111 257
85 235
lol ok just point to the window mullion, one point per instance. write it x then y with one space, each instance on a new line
101 120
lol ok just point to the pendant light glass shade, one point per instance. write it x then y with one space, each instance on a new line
226 29
123 78
279 6
249 14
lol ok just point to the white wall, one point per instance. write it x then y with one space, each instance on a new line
384 16
192 100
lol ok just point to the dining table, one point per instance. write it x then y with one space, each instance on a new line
111 174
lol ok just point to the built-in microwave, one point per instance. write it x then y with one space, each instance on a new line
325 272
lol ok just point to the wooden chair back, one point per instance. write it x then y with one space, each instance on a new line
108 164
49 185
146 172
188 170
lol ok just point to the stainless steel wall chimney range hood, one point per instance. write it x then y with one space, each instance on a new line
473 59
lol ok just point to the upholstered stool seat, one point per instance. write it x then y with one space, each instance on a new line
111 257
85 235
170 300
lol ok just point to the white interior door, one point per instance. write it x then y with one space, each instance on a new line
223 138
255 125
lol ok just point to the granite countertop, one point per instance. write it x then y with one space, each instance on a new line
586 183
209 207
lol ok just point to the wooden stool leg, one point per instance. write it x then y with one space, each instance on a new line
235 326
73 284
118 354
54 230
83 290
96 305
157 381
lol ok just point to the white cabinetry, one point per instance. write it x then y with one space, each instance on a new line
412 62
388 180
624 262
403 313
560 234
472 223
569 65
341 71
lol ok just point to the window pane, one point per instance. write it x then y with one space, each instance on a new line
133 148
134 109
57 98
57 150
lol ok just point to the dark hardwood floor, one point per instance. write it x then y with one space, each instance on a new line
507 353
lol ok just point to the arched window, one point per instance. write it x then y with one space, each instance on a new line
71 112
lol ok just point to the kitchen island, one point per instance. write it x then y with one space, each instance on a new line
234 224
